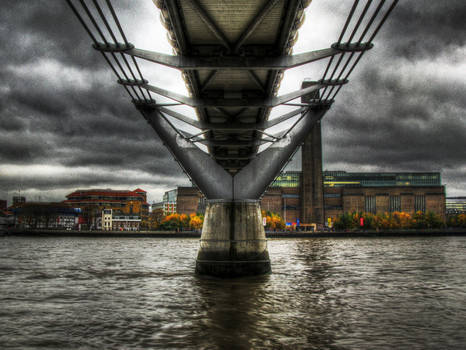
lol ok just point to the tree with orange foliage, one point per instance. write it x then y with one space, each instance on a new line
273 221
171 222
176 222
386 221
458 220
184 220
196 221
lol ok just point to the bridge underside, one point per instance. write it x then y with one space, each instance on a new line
232 55
214 31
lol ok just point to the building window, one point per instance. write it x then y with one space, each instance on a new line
420 203
395 203
369 204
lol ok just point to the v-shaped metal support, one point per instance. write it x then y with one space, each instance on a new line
214 181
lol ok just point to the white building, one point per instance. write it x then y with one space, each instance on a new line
107 219
117 221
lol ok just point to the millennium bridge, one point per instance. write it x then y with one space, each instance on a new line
232 55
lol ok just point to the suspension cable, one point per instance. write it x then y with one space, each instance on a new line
117 22
104 19
86 27
370 40
361 17
369 24
115 17
112 34
356 27
350 16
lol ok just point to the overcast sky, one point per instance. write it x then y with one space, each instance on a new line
65 123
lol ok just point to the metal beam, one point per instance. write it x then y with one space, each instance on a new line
234 102
209 22
231 116
232 126
269 163
254 23
233 157
292 7
190 101
213 181
284 117
175 17
183 118
209 78
276 101
256 80
233 62
250 126
232 143
311 103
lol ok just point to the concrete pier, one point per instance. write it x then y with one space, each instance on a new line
233 242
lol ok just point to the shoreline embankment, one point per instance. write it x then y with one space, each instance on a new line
269 234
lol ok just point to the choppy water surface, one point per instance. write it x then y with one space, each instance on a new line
70 293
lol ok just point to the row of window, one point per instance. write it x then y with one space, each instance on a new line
338 179
370 205
106 198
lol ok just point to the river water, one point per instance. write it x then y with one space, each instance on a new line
141 293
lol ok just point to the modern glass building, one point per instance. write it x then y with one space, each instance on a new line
345 179
169 201
342 178
287 179
455 205
93 201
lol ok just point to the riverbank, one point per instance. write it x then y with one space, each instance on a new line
277 234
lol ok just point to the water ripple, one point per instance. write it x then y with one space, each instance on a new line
75 293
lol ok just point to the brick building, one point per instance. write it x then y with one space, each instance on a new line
188 200
183 200
362 192
93 201
342 192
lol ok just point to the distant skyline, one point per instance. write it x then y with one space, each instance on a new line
66 124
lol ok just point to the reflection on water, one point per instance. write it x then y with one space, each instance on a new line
323 294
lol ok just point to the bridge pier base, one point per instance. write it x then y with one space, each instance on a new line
233 242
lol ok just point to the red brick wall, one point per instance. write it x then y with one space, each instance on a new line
188 200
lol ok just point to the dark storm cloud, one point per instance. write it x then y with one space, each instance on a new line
405 107
13 149
43 28
399 123
405 145
47 182
60 105
115 154
426 28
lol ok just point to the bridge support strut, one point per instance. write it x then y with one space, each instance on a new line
233 240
